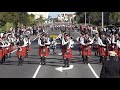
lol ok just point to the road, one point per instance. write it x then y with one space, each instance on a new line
31 67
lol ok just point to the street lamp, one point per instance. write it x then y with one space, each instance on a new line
102 20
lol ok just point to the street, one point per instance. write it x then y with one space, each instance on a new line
31 67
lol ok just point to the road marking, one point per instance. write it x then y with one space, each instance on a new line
36 72
93 71
61 68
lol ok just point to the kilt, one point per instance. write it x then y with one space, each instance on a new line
103 51
68 53
43 53
5 51
86 50
1 53
22 52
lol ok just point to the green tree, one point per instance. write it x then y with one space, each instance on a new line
40 20
114 17
31 18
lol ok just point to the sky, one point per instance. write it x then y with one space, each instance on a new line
54 14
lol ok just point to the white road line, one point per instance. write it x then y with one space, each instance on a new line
36 72
93 71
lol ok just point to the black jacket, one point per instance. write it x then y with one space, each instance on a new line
110 69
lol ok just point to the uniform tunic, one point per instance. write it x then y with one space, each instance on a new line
43 49
103 51
86 48
22 49
68 51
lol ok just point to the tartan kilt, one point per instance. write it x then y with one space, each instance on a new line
41 53
68 53
22 52
5 51
86 50
103 52
1 53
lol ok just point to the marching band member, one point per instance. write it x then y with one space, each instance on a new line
103 48
62 45
68 52
86 48
54 43
12 43
95 44
114 41
21 52
79 43
118 45
2 57
43 49
28 43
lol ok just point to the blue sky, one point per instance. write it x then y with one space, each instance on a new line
54 14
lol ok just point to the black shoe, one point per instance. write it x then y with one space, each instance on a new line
64 66
68 65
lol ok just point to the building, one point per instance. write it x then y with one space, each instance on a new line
37 14
66 17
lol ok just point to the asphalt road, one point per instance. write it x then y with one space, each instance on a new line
31 67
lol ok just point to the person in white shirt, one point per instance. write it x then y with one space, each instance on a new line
67 42
86 47
79 43
21 52
95 44
43 43
53 45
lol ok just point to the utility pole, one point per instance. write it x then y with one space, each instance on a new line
85 19
102 19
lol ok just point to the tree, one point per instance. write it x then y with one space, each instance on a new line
41 19
114 17
31 19
23 18
95 18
